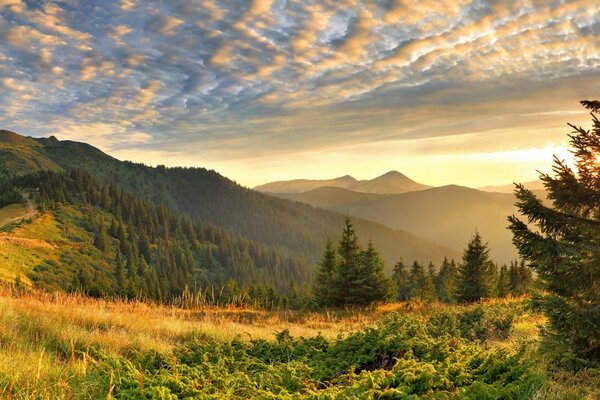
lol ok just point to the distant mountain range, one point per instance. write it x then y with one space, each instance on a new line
392 182
298 230
448 215
535 186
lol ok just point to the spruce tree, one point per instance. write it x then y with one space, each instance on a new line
324 288
474 272
401 279
422 287
348 275
564 249
446 282
503 284
348 268
374 285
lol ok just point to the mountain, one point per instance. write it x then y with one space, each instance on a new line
104 241
448 215
535 186
304 185
291 228
390 182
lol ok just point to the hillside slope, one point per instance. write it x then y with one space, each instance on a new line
448 215
297 229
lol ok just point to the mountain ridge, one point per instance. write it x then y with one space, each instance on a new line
296 229
387 183
447 214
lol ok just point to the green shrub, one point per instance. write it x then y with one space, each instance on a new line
405 356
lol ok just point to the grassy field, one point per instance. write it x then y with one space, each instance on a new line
27 243
8 213
68 346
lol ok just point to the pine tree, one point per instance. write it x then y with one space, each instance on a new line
401 279
324 288
446 282
520 278
101 239
374 285
503 283
348 268
120 276
474 272
422 287
348 275
564 250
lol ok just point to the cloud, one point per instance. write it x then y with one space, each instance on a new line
240 80
11 84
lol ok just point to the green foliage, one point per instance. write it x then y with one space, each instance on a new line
9 193
324 278
476 271
405 356
503 284
564 250
446 281
349 275
291 228
520 278
401 279
130 248
422 287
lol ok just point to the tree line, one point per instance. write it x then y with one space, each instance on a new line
9 194
149 251
349 275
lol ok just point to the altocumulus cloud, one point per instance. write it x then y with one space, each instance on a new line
241 79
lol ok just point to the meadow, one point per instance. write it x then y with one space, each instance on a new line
72 347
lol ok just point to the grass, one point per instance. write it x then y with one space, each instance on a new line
50 343
11 212
28 243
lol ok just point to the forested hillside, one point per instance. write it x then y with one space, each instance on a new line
295 229
108 242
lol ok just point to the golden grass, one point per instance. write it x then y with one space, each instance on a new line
47 340
12 211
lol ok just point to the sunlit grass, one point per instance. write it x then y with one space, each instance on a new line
49 342
12 211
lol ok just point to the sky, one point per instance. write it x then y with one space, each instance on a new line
446 91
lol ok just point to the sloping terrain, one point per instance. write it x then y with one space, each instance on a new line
448 215
296 229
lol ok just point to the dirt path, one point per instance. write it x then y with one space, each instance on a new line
30 212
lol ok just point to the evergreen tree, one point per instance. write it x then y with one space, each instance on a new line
374 285
520 278
120 276
348 268
348 275
401 279
422 287
474 272
503 285
101 239
564 250
446 282
324 288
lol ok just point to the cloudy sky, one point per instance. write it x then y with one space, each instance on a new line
471 92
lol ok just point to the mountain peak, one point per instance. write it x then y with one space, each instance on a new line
346 178
392 182
393 174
